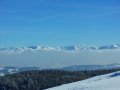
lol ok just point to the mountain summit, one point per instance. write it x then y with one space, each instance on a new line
64 48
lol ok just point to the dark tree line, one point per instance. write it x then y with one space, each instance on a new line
42 79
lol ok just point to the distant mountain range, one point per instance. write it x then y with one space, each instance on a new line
10 69
66 48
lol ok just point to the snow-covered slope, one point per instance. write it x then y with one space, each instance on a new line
104 82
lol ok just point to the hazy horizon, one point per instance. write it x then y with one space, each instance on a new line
55 59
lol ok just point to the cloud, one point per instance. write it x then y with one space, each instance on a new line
54 59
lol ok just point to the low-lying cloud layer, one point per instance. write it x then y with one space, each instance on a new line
54 58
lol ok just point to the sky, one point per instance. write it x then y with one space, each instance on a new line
59 22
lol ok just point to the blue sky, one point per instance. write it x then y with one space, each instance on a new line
59 22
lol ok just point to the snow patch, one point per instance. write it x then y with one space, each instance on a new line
1 74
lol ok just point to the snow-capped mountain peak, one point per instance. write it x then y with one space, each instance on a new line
64 48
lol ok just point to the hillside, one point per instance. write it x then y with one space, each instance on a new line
43 79
104 82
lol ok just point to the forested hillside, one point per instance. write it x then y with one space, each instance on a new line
42 79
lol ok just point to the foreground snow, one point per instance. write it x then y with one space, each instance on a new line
104 82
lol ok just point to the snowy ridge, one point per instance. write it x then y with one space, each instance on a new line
65 48
90 67
104 82
13 69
